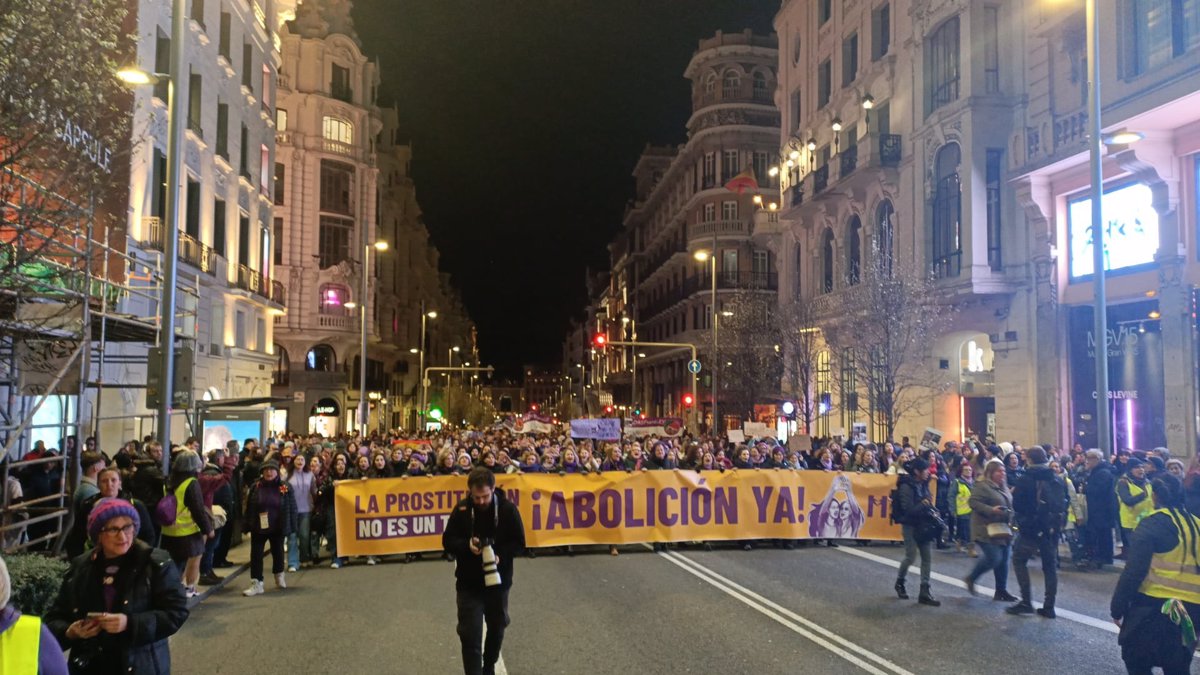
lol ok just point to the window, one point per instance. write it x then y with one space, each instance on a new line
795 111
1161 31
195 103
339 84
854 251
824 83
264 168
995 157
266 87
219 226
731 84
824 392
244 240
710 212
941 66
224 41
881 32
796 48
223 131
849 388
991 49
158 193
710 171
334 240
333 299
321 358
761 92
947 213
729 210
266 252
824 11
710 86
885 235
162 64
280 182
730 164
239 328
198 12
762 161
192 220
337 181
247 65
283 368
244 154
827 261
849 59
729 266
277 240
761 268
798 270
281 120
337 129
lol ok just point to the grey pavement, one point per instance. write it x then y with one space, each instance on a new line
811 610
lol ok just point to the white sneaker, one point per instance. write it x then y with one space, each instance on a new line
336 564
280 581
191 592
292 568
371 560
256 588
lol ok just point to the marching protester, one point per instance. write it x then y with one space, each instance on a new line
1100 494
271 514
299 543
920 526
1134 492
1157 600
991 513
484 534
1040 503
120 602
185 522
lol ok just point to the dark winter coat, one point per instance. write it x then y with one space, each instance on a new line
150 595
1101 496
287 518
914 499
147 483
504 527
1025 497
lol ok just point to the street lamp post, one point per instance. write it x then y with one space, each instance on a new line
363 405
432 314
1100 328
712 258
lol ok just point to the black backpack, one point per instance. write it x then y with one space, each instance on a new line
1053 502
896 515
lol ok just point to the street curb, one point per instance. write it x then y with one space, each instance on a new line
209 590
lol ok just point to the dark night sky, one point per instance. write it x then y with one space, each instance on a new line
526 118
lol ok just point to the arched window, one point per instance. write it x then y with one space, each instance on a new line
710 84
854 251
283 367
941 66
731 84
760 87
337 129
947 213
321 358
333 299
827 261
885 237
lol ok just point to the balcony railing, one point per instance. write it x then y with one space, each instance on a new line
249 280
278 293
889 150
848 160
332 321
795 194
820 179
726 281
720 228
1070 129
196 253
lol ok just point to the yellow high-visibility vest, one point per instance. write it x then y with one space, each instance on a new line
19 646
184 523
963 500
1132 515
1174 574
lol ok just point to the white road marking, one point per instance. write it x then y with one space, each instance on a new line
1084 619
820 636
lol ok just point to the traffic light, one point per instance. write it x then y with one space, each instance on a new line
534 407
608 410
637 412
435 414
688 400
600 340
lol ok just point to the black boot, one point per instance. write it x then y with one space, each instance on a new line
926 598
901 592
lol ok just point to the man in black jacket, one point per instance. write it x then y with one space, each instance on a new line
483 524
1039 504
1100 492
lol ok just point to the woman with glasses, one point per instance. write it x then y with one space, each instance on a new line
120 601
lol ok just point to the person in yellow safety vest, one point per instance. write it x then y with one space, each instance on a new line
184 538
1133 498
962 509
1157 599
27 647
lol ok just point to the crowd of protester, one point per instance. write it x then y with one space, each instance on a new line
280 493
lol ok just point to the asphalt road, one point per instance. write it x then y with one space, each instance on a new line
811 610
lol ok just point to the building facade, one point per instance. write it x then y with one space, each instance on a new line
657 290
947 138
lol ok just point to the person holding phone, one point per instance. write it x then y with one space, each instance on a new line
119 602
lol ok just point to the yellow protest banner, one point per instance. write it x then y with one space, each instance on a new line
407 515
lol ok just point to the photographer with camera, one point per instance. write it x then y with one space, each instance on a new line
920 525
484 534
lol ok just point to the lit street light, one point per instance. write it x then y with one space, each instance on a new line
363 405
703 256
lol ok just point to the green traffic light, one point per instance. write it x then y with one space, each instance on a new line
435 413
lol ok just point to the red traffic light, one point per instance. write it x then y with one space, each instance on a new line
534 407
600 339
608 409
688 400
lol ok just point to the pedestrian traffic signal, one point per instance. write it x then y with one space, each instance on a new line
600 340
688 400
637 412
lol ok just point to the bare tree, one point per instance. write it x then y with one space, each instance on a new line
748 353
894 319
800 337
